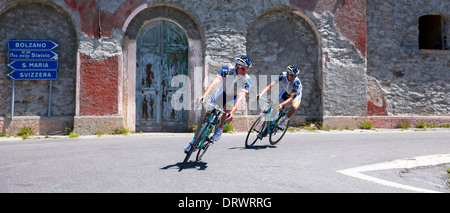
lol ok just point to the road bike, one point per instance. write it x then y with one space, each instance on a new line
202 139
267 124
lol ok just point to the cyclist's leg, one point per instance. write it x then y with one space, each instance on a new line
294 106
282 96
226 108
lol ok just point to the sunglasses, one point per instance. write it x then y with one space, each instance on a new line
242 67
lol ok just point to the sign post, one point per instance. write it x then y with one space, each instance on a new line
32 60
12 99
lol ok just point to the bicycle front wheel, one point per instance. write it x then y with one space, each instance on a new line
278 133
255 132
188 155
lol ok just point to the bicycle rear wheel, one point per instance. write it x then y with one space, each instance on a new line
277 133
254 133
201 152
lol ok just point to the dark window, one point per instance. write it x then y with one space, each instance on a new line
431 32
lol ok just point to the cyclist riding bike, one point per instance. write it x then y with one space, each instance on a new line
291 93
227 97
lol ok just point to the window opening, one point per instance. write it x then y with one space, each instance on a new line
431 36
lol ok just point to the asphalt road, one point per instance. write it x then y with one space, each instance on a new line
302 162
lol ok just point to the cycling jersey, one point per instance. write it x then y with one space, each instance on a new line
230 80
289 87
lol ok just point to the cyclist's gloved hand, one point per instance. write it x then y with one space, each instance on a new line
279 107
257 97
229 117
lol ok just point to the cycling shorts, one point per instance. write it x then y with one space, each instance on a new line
284 96
221 99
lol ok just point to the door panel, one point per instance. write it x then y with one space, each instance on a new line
161 55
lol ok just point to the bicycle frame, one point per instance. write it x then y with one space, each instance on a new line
214 113
269 122
208 130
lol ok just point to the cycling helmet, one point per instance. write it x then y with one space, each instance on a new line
292 69
244 61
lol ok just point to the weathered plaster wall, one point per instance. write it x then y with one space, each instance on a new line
403 80
341 26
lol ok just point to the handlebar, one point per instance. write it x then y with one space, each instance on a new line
261 98
214 106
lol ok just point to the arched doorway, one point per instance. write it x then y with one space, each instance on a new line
282 37
161 54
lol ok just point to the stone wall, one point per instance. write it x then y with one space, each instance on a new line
325 38
38 21
402 79
272 51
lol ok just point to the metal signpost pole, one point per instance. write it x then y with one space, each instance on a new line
12 98
50 99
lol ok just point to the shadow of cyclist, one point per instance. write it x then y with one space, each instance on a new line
188 165
256 147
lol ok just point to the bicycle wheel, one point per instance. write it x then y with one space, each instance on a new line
188 155
254 132
277 133
197 139
201 152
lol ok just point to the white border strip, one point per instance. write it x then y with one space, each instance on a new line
429 160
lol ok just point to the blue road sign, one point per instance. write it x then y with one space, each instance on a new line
32 75
32 60
32 55
31 45
34 65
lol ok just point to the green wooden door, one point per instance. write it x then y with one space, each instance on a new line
162 53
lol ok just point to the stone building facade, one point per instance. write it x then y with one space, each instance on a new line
120 61
407 82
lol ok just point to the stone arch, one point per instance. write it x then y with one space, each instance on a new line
40 20
285 36
137 21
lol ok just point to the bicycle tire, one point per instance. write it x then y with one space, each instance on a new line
274 132
188 155
197 138
250 131
201 152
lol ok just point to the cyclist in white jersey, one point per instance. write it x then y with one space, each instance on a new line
291 93
227 96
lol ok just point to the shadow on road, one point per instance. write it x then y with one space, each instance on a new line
188 165
255 147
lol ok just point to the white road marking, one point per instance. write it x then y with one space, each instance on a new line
408 163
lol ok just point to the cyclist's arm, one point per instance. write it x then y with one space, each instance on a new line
211 87
239 100
267 89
